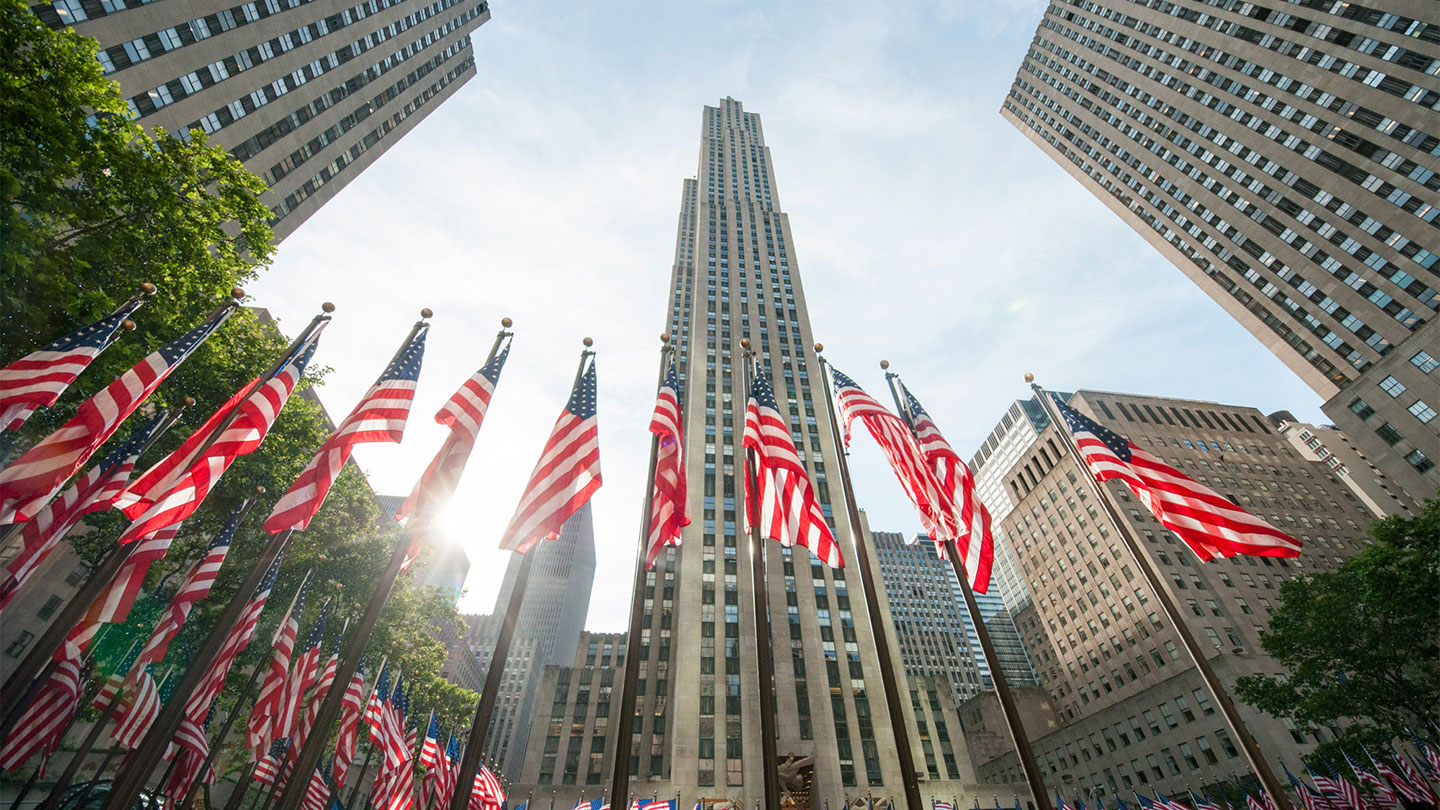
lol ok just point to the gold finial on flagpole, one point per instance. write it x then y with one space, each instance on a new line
189 401
819 347
147 288
327 307
665 337
128 325
237 293
1029 378
885 364
506 323
427 313
260 490
588 342
744 343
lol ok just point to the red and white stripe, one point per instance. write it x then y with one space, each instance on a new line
113 604
784 507
670 504
187 486
196 586
39 378
486 793
976 539
260 727
48 716
380 416
192 748
1383 795
1339 790
567 474
927 495
351 710
317 793
1405 789
138 710
302 676
94 491
1209 523
46 466
1414 778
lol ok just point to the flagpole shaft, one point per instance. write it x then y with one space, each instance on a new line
73 766
1157 585
214 751
1019 738
764 646
26 678
480 725
132 778
620 768
898 727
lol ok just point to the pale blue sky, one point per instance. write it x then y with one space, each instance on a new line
928 231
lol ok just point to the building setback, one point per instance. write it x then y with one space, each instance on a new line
307 93
573 744
1133 713
1283 156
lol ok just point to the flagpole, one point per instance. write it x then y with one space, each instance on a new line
1212 681
764 645
480 725
898 727
369 746
73 766
1019 738
620 768
214 751
30 675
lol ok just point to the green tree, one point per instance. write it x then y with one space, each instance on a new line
94 206
1361 645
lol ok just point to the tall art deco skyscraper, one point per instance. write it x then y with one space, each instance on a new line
736 276
1283 155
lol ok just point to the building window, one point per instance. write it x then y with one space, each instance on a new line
48 609
1418 460
1389 434
19 644
1421 411
1425 362
1361 408
1392 386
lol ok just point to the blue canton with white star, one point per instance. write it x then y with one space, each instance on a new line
1078 422
841 380
97 335
913 404
492 368
179 348
406 365
582 399
761 390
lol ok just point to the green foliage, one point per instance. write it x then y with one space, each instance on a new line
94 206
1361 645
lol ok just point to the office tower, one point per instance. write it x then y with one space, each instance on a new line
1284 157
551 618
1329 444
1132 710
934 629
1023 421
735 276
573 707
307 93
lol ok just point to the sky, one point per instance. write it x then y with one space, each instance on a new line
927 231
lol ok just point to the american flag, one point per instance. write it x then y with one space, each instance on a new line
1407 790
46 466
113 604
94 491
317 793
115 681
47 717
173 489
1338 790
463 413
303 675
1413 778
1209 523
267 767
1252 803
1168 803
656 804
139 708
191 748
784 508
976 542
448 773
323 683
1432 756
351 710
40 377
260 728
486 793
1204 802
567 474
1061 804
379 701
1309 799
926 492
430 754
670 506
379 417
942 805
196 586
1383 796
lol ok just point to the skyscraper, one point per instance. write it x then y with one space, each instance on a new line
1284 157
551 619
735 276
1132 710
307 93
935 632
